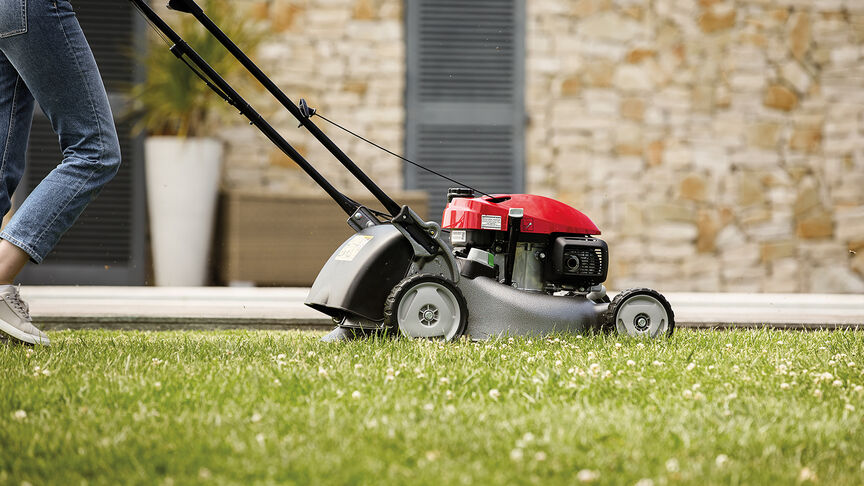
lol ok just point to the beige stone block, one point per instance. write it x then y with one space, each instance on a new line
754 215
692 187
807 198
796 76
671 212
780 97
763 135
610 26
599 73
703 98
654 153
585 8
632 109
773 250
712 21
630 77
363 10
708 228
857 263
750 190
571 86
806 139
815 227
284 14
799 36
850 223
675 232
638 55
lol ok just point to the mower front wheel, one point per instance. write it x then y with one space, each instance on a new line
640 313
426 306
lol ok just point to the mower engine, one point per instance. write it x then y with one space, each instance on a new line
529 242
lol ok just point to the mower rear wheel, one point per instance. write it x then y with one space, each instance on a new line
426 306
640 313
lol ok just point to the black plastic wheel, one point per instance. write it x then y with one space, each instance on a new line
426 306
640 313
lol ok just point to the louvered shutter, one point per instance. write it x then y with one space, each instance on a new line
107 244
465 112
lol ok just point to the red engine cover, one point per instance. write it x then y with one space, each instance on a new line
542 215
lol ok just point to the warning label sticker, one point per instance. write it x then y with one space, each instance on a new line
352 247
490 222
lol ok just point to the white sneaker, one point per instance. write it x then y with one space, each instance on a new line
15 318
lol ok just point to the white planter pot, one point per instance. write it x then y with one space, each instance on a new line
182 188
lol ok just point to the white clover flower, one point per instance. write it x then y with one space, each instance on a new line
617 345
817 393
630 362
806 474
831 362
696 386
691 366
850 407
735 369
494 394
587 476
255 418
357 366
156 361
540 456
19 415
851 364
322 372
859 388
444 380
311 354
558 362
721 460
277 382
281 356
784 386
687 394
826 376
645 482
698 396
710 367
591 355
640 345
516 454
449 395
836 383
672 465
428 407
657 363
728 345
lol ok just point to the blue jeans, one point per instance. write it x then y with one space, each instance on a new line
45 57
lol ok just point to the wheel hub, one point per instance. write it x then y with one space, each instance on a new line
642 322
428 315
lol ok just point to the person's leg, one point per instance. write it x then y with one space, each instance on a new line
55 61
16 116
47 50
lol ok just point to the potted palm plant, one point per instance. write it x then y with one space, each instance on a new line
183 158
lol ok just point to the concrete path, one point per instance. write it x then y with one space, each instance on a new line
152 308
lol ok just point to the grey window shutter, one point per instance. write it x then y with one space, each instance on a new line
465 83
107 244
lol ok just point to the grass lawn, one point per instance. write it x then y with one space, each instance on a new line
735 407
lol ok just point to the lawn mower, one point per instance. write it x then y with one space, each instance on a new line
499 264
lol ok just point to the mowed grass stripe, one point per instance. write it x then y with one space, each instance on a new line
731 407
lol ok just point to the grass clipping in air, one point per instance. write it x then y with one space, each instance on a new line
749 407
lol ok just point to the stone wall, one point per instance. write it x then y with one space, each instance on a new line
718 144
346 58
